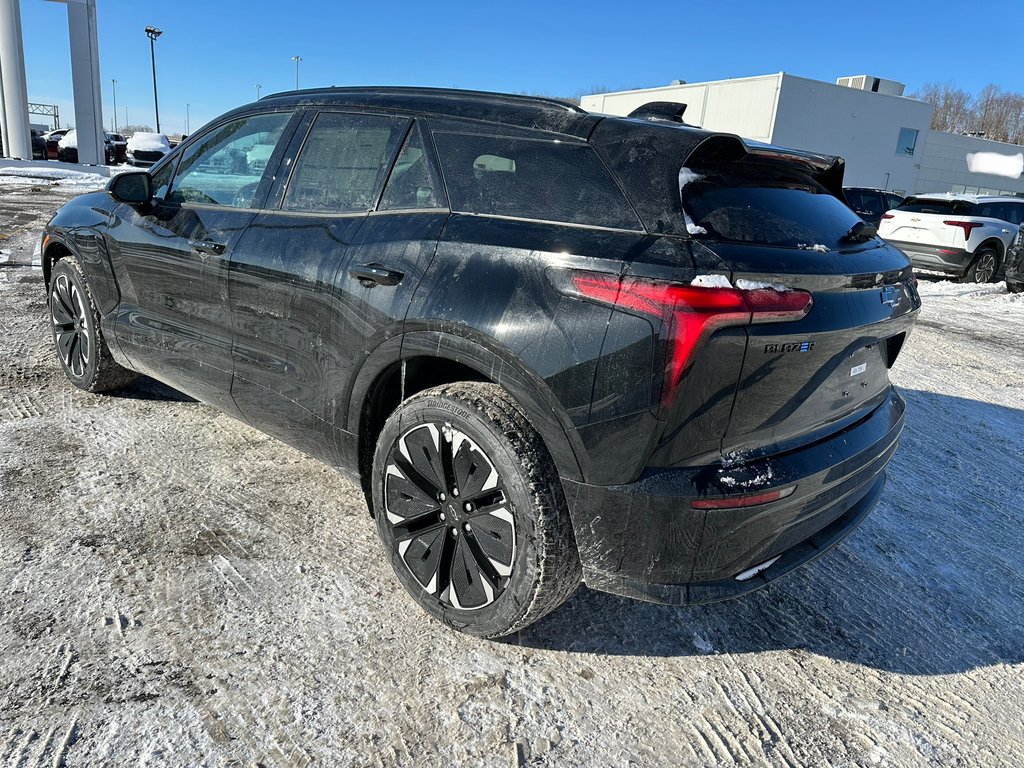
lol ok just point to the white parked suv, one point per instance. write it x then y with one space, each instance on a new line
963 235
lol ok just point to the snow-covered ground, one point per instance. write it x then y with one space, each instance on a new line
67 176
178 589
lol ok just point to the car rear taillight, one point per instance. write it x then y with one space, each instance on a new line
689 313
966 226
888 216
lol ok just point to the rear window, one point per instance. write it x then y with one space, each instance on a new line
532 179
944 207
795 213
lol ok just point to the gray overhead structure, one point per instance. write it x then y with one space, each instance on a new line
85 78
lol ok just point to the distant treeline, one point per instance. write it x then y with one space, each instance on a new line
992 112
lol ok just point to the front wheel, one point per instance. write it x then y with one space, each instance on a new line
471 512
983 268
75 322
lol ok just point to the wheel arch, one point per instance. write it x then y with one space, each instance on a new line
421 359
53 251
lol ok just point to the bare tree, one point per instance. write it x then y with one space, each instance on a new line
954 107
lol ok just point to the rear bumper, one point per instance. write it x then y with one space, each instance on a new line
644 540
939 258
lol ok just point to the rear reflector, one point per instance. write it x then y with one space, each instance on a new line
689 313
738 502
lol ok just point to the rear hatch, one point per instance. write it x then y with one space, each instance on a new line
927 221
774 224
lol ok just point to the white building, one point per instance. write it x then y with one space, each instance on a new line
883 135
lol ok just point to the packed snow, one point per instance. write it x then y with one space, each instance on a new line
815 247
711 281
148 142
178 588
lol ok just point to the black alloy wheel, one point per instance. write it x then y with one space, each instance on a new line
470 510
983 268
77 335
449 515
71 330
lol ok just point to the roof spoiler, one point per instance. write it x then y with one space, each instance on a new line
827 170
668 111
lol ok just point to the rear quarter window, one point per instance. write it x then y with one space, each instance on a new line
796 213
547 180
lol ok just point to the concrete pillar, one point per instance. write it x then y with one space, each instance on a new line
85 79
3 119
18 136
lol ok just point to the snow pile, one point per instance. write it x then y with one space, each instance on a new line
148 142
808 247
711 281
69 140
686 176
754 285
75 180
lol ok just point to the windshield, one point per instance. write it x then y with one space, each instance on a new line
796 213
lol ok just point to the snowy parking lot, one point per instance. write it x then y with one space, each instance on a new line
177 588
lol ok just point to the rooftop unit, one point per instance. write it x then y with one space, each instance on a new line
873 84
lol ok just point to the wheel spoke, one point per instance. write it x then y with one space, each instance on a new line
83 352
424 554
470 469
423 488
65 340
466 580
423 454
495 537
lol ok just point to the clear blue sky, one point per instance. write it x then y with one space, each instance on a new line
213 53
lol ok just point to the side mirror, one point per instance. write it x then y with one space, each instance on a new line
135 188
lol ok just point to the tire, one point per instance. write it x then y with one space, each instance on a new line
1014 287
501 555
984 267
77 337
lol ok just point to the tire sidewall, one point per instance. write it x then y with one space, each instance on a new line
511 604
972 273
65 267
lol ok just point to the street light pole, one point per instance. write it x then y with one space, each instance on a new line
113 85
153 33
258 86
186 119
296 59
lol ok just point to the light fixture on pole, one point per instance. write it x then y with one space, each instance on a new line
153 33
113 86
296 59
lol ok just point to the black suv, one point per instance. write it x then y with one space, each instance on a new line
551 345
1015 263
870 203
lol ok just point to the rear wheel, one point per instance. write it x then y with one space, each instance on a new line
1014 287
75 322
983 268
470 509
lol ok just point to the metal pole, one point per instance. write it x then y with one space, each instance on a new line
186 119
296 59
113 85
258 86
156 103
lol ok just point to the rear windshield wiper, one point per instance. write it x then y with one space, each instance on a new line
860 232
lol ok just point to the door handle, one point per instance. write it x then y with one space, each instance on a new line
369 275
207 246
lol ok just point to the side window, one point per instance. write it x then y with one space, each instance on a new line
343 162
907 141
414 181
533 179
891 201
1013 213
162 179
855 199
225 166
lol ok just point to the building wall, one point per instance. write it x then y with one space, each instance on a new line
860 126
744 106
944 165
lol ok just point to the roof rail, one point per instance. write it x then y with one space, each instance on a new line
516 98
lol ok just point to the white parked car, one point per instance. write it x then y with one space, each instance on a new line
144 149
962 235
